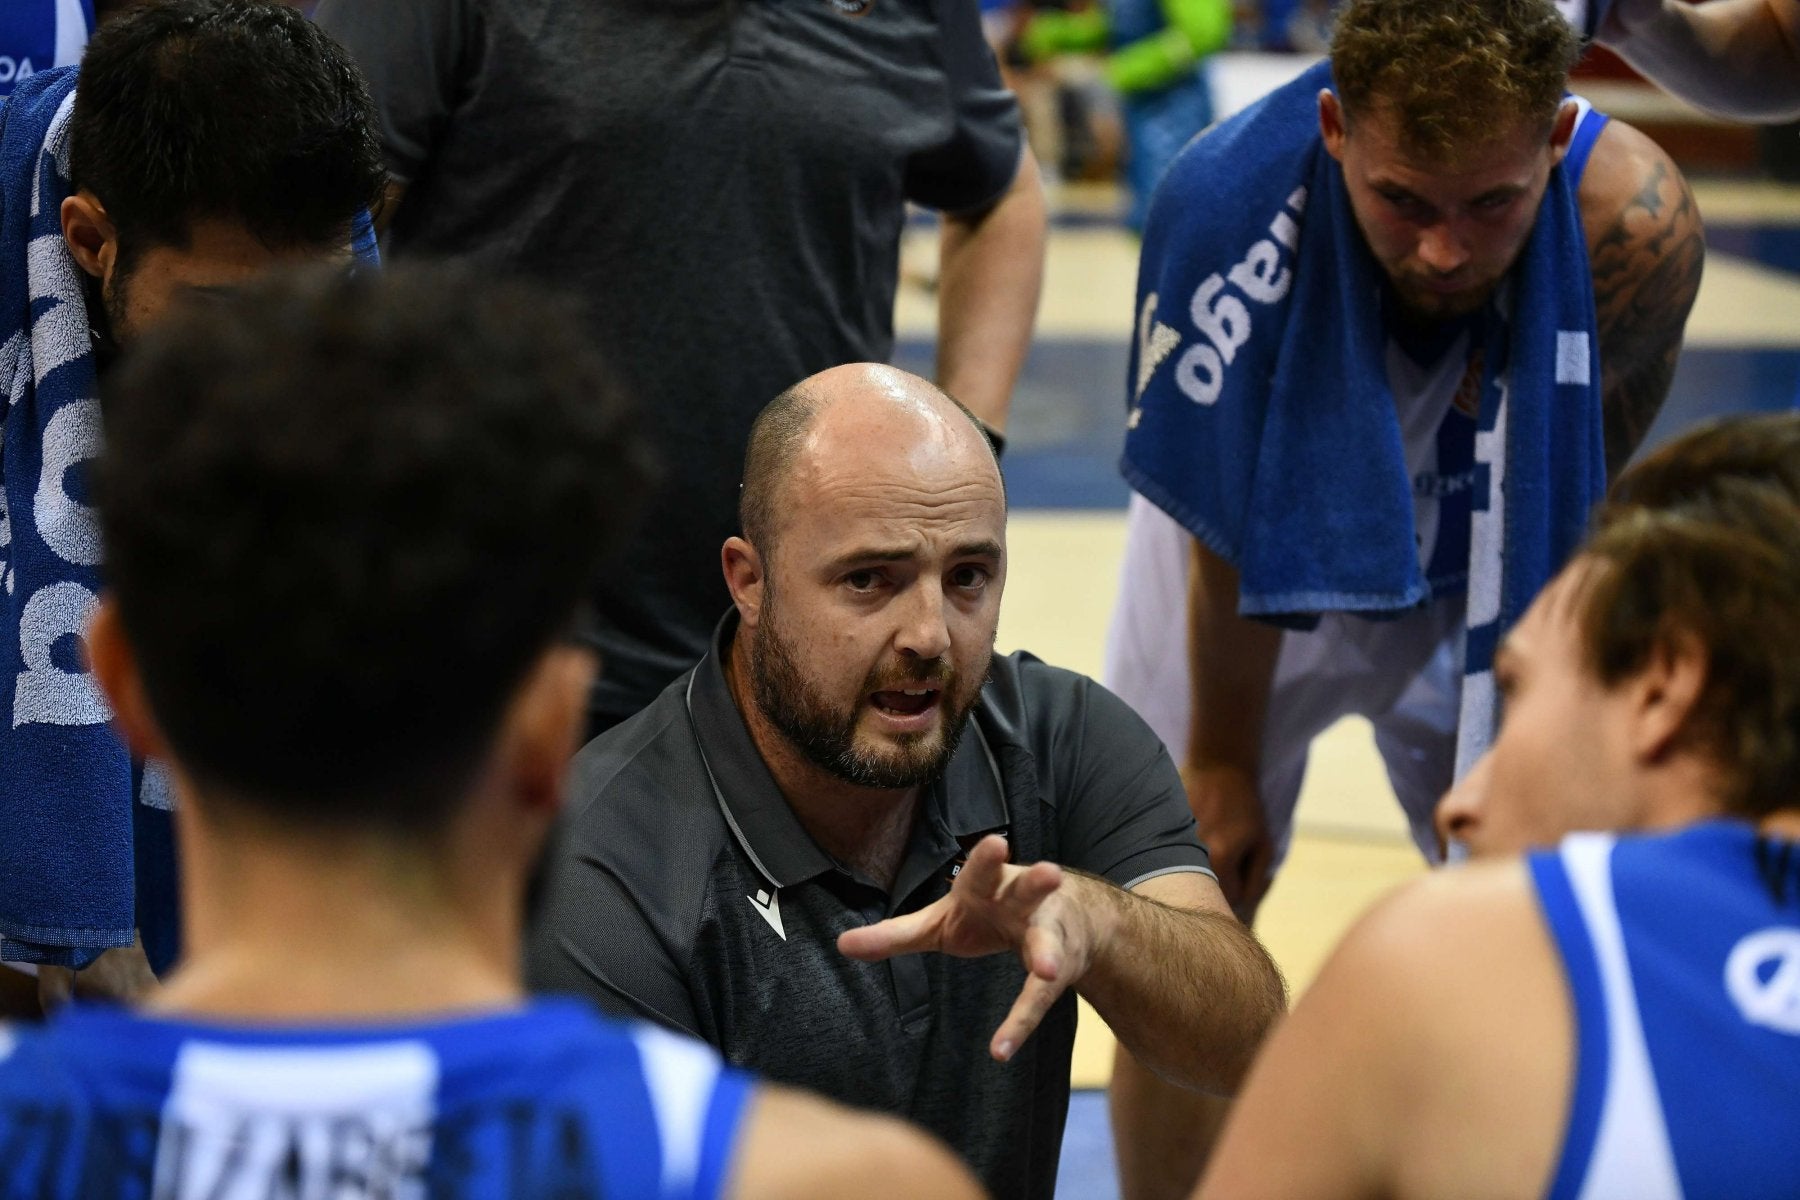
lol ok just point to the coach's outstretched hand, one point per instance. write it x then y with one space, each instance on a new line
1037 911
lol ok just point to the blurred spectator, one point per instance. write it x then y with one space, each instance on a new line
1157 51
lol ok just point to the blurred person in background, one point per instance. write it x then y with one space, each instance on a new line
199 143
1618 1015
1397 322
725 185
1736 58
1155 61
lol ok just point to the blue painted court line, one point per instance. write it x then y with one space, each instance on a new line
1086 1171
1775 246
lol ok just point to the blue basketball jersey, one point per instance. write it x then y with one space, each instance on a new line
1683 958
545 1101
36 35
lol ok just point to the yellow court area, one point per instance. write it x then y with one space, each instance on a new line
1351 844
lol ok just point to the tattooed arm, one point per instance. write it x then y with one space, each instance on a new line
1646 247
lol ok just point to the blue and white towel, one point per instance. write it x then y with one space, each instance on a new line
66 781
1261 415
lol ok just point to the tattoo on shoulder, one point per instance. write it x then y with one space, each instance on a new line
1646 270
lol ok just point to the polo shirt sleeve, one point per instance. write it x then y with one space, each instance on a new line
975 164
413 54
1123 812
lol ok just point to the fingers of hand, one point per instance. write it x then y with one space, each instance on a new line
1028 1012
1031 887
985 869
910 934
1045 948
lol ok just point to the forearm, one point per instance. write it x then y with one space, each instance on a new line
1739 58
1190 993
1231 665
991 268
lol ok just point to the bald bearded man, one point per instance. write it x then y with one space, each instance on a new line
760 856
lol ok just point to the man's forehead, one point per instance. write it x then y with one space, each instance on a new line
1554 616
888 511
1388 144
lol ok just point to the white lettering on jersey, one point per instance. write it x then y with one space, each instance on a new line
246 1123
1762 976
768 907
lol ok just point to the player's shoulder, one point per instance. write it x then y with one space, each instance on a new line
1028 697
644 788
1464 922
1626 166
1059 716
53 1067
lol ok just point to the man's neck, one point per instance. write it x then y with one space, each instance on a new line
864 828
287 930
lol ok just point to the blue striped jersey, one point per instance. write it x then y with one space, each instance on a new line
548 1100
1682 953
36 35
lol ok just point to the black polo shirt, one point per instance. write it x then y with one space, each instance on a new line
723 183
686 891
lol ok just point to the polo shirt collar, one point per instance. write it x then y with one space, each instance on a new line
966 802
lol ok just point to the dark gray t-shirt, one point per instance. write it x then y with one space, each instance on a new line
723 182
685 891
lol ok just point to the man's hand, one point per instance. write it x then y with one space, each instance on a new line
1235 831
122 973
994 907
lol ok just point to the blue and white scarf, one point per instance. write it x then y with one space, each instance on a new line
66 780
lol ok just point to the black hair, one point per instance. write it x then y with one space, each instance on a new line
345 516
237 110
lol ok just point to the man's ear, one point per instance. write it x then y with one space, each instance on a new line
1667 693
89 232
745 575
1332 125
115 669
1562 130
544 724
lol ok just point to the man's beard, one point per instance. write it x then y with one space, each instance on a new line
1423 306
826 735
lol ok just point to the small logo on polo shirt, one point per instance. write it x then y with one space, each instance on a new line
852 8
768 907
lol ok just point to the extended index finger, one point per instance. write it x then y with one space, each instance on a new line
908 934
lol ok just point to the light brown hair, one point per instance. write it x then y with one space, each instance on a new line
1714 557
1454 73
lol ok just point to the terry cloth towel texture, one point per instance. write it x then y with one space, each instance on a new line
66 781
1261 415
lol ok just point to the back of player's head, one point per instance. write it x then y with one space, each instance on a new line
1453 74
344 516
235 110
1761 448
1709 549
